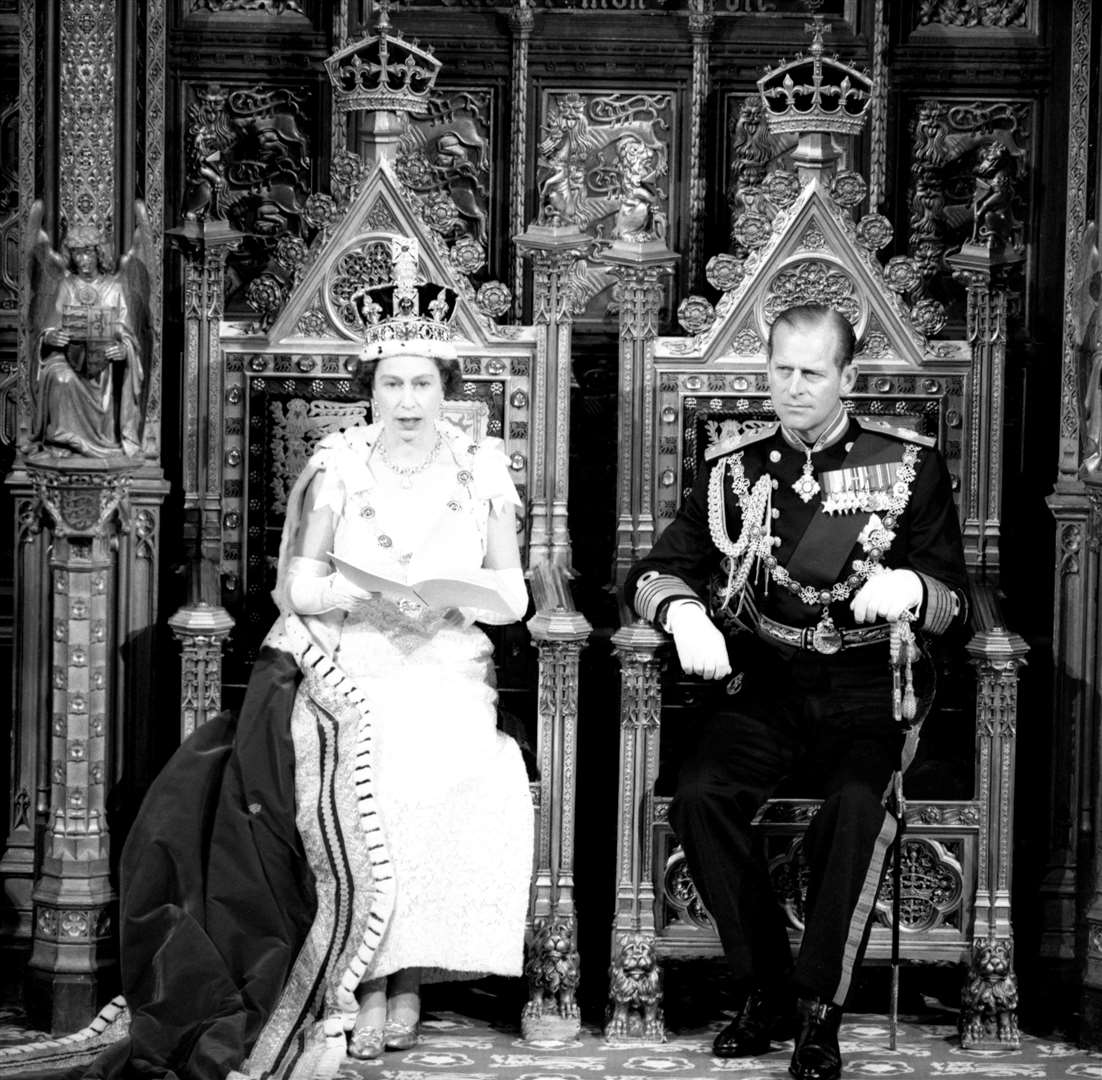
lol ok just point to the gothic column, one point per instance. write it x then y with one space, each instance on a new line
554 251
202 624
522 20
998 655
640 269
1074 640
72 966
984 273
560 633
701 23
637 649
1090 875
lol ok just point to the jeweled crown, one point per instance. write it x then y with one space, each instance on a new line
815 92
408 315
382 70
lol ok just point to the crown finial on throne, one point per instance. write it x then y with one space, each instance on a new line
382 71
816 93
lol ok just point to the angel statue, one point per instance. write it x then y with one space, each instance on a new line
89 341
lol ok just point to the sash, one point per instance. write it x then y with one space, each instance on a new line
821 555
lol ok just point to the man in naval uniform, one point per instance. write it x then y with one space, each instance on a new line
812 534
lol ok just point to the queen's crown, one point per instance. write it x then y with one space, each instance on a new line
408 314
382 70
815 92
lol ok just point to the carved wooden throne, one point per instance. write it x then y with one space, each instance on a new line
802 240
275 389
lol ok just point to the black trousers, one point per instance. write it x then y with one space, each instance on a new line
827 723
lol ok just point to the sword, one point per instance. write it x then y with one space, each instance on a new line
902 652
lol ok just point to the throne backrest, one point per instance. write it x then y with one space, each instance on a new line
711 386
287 386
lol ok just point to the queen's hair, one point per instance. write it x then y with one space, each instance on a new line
363 380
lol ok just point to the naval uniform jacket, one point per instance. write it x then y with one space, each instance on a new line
686 563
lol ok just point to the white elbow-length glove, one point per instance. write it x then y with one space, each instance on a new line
887 595
510 585
313 588
701 648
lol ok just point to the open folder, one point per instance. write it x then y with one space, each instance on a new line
435 592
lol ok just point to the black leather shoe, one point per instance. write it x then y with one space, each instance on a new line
817 1056
762 1018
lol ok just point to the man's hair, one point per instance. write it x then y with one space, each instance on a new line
806 317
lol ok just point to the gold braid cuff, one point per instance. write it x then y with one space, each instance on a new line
942 605
655 590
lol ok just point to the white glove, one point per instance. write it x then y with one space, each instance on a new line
701 648
510 585
313 589
886 595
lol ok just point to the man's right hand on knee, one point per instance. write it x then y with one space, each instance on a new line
701 648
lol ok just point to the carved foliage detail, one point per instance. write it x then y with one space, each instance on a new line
269 7
87 114
968 179
640 691
9 205
973 13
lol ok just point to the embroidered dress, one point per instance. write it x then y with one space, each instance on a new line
451 789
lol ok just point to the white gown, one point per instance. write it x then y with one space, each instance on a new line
452 790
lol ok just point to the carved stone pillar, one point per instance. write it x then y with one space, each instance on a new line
201 625
640 269
984 274
1075 612
554 250
72 968
637 649
522 20
998 655
30 791
701 23
1075 714
1090 790
560 635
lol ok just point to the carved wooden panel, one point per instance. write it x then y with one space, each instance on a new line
971 180
248 160
9 207
973 18
939 857
446 160
603 163
261 14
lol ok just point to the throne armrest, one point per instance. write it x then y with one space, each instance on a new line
556 617
992 643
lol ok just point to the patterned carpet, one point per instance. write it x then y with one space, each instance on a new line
462 1046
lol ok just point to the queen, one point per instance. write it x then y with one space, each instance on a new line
363 827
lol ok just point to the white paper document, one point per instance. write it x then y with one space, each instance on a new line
453 590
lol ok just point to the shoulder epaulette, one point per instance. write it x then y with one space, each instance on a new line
906 434
737 442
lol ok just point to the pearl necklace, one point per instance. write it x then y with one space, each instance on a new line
406 473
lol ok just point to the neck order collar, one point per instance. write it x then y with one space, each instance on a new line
832 433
